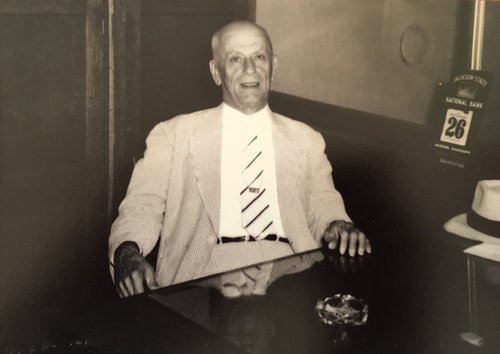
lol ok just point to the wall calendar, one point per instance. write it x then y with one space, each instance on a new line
460 112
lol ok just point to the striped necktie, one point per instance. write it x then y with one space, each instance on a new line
256 217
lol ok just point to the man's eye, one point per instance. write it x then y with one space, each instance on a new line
260 57
235 59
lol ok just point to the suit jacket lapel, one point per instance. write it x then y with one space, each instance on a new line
289 160
205 147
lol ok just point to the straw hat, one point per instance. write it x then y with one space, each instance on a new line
482 221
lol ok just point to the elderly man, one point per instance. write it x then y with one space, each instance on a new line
229 186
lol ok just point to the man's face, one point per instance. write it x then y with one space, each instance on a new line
243 65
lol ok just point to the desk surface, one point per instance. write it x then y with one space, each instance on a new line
418 303
417 295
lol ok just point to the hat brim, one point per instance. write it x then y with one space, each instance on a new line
458 226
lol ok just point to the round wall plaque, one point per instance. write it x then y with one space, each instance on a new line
414 44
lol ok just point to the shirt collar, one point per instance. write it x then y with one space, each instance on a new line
263 114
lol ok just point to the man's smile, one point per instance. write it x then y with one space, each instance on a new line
250 84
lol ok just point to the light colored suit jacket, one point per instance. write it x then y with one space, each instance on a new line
174 192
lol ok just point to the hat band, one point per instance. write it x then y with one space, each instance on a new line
486 226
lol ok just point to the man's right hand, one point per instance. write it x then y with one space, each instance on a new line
132 272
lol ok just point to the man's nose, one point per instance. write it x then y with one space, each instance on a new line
249 66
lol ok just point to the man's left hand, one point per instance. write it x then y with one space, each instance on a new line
348 236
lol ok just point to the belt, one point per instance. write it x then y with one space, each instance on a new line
271 237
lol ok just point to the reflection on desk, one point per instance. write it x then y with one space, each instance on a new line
418 303
282 320
413 308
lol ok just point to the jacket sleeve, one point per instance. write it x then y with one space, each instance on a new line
141 213
325 203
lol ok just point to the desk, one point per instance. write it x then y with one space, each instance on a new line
417 304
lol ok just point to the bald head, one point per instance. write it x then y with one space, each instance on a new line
219 36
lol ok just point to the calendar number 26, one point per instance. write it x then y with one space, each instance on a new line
456 127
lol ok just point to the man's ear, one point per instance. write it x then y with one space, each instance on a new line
274 64
214 70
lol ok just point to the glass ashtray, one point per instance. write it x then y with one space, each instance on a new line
342 310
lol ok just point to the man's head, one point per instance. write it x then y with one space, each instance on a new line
243 63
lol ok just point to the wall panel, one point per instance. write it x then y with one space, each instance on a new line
53 154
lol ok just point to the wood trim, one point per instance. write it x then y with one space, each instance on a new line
30 7
127 95
463 35
170 7
252 10
96 114
243 10
361 126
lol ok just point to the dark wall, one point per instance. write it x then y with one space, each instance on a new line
42 139
52 149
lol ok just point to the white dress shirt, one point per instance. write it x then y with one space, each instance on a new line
235 128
